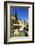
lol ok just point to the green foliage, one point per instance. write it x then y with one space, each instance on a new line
26 27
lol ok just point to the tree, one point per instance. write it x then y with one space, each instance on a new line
16 21
26 27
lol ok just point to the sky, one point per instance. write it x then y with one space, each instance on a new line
22 12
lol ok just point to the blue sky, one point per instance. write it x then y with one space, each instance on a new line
22 12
